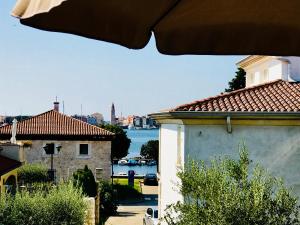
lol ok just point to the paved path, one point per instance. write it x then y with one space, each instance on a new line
132 214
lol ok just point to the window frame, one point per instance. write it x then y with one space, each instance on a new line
83 156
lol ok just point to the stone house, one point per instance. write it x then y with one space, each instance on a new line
75 143
265 116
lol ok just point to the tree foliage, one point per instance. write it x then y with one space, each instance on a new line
238 82
150 150
108 202
85 179
120 144
59 205
226 193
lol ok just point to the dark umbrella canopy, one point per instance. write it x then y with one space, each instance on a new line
229 27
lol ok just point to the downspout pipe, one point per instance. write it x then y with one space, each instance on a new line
229 126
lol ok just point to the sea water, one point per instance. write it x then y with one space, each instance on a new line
138 138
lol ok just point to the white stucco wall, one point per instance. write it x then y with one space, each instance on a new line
276 148
12 151
285 68
170 145
294 67
276 70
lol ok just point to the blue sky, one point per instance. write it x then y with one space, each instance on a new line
36 66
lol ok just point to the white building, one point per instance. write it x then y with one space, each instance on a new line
261 69
265 115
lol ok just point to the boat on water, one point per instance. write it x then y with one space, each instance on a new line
142 162
152 163
122 162
122 174
130 127
132 162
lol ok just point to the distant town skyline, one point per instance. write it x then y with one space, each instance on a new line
36 66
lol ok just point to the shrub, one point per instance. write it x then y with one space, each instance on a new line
67 206
85 179
63 205
108 204
33 173
225 193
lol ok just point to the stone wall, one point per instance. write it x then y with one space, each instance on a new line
67 161
90 213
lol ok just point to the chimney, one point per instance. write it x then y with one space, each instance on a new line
56 106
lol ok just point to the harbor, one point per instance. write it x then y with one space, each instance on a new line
133 161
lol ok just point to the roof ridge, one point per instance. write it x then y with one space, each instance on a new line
62 122
80 121
30 118
216 97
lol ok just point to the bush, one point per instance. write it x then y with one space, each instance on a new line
225 193
33 173
63 205
108 204
85 179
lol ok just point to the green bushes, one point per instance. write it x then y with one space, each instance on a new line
108 205
62 205
33 173
85 179
226 193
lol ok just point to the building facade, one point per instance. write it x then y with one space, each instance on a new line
265 116
75 144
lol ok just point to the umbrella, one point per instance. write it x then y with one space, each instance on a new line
216 27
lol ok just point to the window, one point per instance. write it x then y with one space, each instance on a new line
84 149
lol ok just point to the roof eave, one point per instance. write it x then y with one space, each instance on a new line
34 137
208 115
250 60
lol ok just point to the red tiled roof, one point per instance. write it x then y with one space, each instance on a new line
7 165
56 124
276 96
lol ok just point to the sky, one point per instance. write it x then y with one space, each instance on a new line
36 66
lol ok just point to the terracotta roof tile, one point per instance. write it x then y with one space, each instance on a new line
56 124
276 96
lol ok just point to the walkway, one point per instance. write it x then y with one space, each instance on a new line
132 214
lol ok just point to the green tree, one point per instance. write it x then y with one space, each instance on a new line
227 193
85 179
120 144
150 150
238 82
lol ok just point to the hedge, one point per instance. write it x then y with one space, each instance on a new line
62 205
33 173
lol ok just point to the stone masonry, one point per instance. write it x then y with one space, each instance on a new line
68 160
